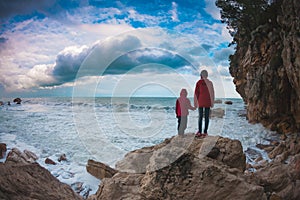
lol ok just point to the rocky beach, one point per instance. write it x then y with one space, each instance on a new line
266 71
178 168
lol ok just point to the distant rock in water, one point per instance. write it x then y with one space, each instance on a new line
228 102
17 100
266 68
50 161
218 101
217 112
62 157
1 103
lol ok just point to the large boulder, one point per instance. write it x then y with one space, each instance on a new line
100 170
281 179
23 178
31 181
25 157
182 168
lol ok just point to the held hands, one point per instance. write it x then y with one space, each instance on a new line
194 108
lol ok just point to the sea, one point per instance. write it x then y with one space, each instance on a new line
105 129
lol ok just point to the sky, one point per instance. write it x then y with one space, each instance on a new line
112 48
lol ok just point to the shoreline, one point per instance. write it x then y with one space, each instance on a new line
70 173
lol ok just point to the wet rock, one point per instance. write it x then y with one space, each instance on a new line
228 102
217 112
218 101
16 156
260 164
295 167
62 157
242 113
258 159
80 189
100 170
2 150
266 147
77 187
282 157
17 100
276 179
277 150
50 161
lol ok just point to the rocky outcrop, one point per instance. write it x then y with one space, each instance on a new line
22 178
15 156
182 168
266 69
17 100
100 170
212 168
2 150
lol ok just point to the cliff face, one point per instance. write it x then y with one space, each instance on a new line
266 70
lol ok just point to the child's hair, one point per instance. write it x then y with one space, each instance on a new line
183 92
204 74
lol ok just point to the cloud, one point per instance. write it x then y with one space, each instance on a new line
212 9
68 62
223 70
223 55
44 43
145 56
173 12
3 40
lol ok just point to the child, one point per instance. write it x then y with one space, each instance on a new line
183 105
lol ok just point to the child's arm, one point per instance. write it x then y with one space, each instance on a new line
190 106
176 108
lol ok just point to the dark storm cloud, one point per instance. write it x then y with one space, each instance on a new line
145 56
3 40
10 8
68 63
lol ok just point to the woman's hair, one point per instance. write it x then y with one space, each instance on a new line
204 74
